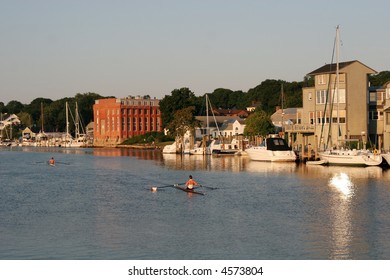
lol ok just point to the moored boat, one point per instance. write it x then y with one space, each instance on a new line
272 149
351 157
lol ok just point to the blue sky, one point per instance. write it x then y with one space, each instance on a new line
55 49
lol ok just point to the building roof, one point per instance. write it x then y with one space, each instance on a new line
289 115
230 112
331 68
219 119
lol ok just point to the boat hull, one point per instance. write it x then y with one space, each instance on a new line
262 154
351 158
184 189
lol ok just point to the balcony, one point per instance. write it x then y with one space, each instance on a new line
300 128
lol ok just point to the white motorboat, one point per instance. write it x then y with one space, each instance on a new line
272 149
171 149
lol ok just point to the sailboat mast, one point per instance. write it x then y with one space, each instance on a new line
42 118
77 121
282 97
338 82
207 118
67 124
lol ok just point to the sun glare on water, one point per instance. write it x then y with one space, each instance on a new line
342 182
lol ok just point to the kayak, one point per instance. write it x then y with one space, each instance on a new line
184 189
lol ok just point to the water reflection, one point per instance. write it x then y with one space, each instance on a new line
271 167
124 152
341 215
200 162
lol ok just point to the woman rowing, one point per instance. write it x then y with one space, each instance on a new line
191 183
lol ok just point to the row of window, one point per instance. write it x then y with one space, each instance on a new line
322 96
323 79
129 124
134 111
138 102
321 119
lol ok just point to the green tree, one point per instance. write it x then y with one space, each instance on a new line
179 99
14 107
380 79
35 111
85 103
183 120
258 123
25 119
3 109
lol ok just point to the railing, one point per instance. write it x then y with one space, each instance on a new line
300 128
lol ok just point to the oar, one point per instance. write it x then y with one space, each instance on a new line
210 188
154 188
59 162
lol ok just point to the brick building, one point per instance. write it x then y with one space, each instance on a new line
118 119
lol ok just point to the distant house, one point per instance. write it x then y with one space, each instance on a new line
221 125
283 117
379 114
232 128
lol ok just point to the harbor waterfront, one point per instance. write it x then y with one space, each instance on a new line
98 204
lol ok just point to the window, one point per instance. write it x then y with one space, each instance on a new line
321 79
387 117
374 115
373 97
311 117
321 96
341 94
319 117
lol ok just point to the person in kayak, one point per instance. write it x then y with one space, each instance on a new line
191 183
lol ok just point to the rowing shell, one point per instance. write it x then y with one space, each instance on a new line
187 190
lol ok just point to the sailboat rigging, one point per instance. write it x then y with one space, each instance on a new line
337 155
80 139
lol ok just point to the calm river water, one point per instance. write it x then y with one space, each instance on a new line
97 204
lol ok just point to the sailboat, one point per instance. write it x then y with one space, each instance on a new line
203 147
341 156
214 146
80 139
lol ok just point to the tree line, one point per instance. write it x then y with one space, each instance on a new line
267 95
51 114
